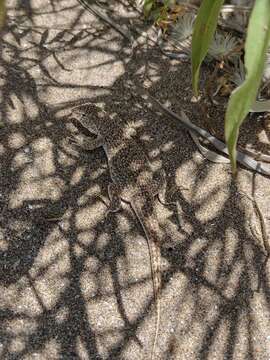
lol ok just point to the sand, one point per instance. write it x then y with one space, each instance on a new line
80 287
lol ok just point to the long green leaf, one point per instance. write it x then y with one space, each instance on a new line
243 97
204 29
2 12
147 7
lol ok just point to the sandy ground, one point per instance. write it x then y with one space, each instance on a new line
80 287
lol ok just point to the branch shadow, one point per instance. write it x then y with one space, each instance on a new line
78 287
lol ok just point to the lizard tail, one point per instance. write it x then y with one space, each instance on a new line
156 275
148 220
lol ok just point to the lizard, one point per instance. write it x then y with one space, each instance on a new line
133 181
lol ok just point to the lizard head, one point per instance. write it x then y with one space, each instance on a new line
89 115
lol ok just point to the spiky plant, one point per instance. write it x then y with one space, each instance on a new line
223 46
238 76
182 32
183 28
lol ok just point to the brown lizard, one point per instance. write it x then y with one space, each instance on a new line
133 181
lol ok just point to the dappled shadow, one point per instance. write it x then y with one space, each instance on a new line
75 282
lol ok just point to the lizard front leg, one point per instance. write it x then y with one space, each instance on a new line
89 143
160 188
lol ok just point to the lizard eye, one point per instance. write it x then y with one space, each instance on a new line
82 114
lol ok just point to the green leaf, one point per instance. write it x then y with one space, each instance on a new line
2 12
243 97
204 29
155 14
147 7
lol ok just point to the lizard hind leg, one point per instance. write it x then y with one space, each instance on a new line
161 192
160 188
115 199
